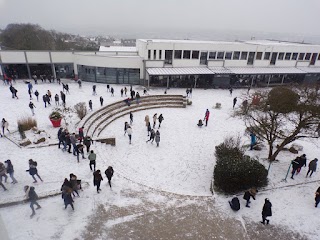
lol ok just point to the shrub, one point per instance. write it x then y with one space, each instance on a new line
236 172
25 124
55 115
81 109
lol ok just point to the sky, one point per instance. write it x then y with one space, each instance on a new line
165 16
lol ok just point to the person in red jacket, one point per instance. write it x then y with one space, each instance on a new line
206 117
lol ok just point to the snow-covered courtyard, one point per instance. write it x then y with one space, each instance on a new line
148 179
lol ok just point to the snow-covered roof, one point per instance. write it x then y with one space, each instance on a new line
117 49
265 70
179 71
310 69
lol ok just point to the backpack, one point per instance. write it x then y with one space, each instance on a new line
35 163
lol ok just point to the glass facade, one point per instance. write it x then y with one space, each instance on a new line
109 75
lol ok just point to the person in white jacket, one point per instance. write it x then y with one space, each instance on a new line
4 125
129 131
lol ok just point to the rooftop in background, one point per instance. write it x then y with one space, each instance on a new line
117 49
255 42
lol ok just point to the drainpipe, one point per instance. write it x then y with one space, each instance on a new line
52 66
28 67
269 80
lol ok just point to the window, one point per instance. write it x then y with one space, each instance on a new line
287 56
212 55
154 54
259 56
236 55
168 56
281 56
186 54
149 54
177 54
294 56
195 54
228 55
220 55
267 55
308 56
160 54
244 55
301 56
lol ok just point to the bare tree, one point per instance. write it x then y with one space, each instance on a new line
282 116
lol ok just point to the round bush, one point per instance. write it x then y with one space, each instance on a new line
235 172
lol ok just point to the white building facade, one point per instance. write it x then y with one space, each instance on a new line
175 63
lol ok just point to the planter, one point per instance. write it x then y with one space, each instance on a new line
56 122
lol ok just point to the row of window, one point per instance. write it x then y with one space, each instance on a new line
236 55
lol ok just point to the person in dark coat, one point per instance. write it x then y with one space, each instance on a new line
112 92
160 118
74 184
90 105
149 128
32 196
97 178
79 150
126 125
235 203
101 101
266 211
137 97
37 95
32 107
66 189
312 167
121 92
56 99
152 135
33 170
234 102
87 141
200 123
60 136
317 198
3 173
81 134
10 171
302 162
63 98
248 194
131 118
94 87
295 165
109 173
157 137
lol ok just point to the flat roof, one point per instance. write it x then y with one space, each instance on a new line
117 49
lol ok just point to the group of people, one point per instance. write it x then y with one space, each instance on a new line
68 188
301 161
251 193
97 177
205 119
154 135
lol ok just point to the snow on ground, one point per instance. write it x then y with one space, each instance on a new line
183 163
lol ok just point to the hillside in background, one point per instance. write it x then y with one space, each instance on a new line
34 37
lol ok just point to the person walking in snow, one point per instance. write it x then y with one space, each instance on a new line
157 137
81 134
3 173
295 165
73 141
101 101
206 117
129 131
92 157
4 125
94 87
121 92
33 170
30 87
112 92
49 95
266 211
147 120
87 141
248 194
312 167
66 190
145 92
152 135
149 128
97 178
108 88
67 88
36 93
137 97
79 150
234 102
230 90
90 105
253 140
32 196
131 118
79 83
61 136
155 116
32 107
63 98
10 171
190 92
126 125
56 99
160 118
30 94
125 91
109 173
44 98
302 162
74 183
317 198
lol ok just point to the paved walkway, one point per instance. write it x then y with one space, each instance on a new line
170 216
